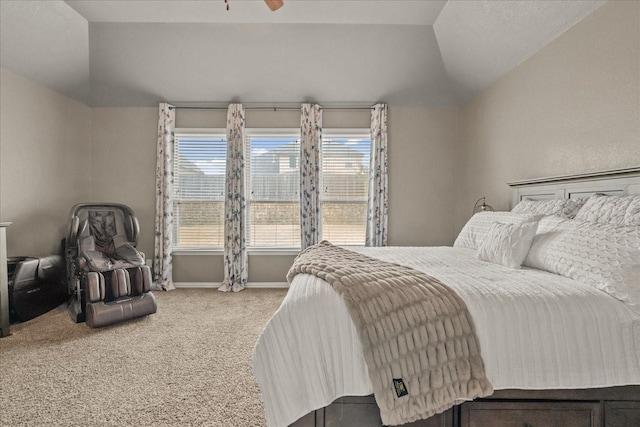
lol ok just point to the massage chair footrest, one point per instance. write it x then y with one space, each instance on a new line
106 313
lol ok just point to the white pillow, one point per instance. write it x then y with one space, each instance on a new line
606 256
566 208
555 223
621 210
507 244
475 230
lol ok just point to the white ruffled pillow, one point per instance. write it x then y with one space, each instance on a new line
476 229
566 208
507 244
606 256
621 210
555 223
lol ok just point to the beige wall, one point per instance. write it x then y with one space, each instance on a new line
123 142
45 163
421 168
422 146
573 107
421 153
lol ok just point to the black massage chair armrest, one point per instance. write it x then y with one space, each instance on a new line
36 285
30 269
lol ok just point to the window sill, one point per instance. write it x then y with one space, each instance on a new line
274 251
197 251
251 251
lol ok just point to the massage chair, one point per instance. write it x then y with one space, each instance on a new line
107 276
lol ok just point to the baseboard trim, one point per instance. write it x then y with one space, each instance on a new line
215 285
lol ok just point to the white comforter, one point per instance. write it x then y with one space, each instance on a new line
536 330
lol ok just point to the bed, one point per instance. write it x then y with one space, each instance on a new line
557 348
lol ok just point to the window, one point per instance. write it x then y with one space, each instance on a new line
272 185
345 185
273 202
199 184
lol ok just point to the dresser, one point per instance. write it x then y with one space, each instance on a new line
4 282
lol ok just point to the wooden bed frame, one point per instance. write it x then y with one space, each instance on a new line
610 407
619 182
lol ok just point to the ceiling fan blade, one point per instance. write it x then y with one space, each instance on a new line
274 4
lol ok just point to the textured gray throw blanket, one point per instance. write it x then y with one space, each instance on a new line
417 335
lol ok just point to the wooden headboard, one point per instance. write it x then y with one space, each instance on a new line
619 182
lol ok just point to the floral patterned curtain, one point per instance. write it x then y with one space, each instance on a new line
162 274
310 140
378 179
236 262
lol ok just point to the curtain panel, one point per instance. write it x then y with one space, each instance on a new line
310 140
162 270
378 179
236 261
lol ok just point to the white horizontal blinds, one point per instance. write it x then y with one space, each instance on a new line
345 186
199 190
274 191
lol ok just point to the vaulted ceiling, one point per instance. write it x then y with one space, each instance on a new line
121 53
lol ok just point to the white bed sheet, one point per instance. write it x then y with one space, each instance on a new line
536 330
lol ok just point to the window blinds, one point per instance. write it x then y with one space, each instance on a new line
272 182
274 191
345 184
199 184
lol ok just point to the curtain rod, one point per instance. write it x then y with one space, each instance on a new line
274 108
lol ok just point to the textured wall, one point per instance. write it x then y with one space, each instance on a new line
421 156
573 107
422 146
45 163
265 63
123 142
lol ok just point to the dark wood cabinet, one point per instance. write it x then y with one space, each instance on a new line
4 283
356 411
351 412
605 407
446 419
531 414
308 420
622 414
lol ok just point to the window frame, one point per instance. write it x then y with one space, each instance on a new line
265 133
193 249
342 133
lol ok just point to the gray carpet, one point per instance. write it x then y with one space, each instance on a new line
186 365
